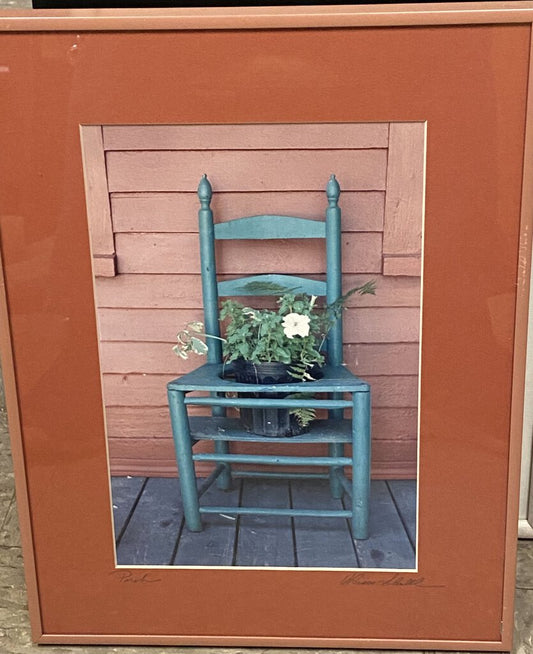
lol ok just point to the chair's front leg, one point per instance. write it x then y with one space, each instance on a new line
361 464
183 446
334 450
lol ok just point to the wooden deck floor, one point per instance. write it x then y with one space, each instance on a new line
150 530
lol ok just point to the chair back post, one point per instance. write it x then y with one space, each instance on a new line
334 267
208 267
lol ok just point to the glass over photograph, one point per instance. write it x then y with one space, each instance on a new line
258 300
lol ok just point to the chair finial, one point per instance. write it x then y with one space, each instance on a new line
205 192
333 191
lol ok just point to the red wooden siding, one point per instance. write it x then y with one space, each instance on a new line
157 212
124 357
144 208
402 231
168 291
178 254
368 325
326 136
97 198
247 170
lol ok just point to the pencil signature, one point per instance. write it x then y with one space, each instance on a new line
129 577
395 579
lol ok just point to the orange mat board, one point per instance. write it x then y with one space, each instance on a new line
468 82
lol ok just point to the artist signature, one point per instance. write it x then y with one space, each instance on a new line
395 579
130 577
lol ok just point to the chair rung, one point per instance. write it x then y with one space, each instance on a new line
248 510
252 474
266 459
255 402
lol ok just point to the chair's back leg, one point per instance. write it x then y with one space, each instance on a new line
210 299
334 267
335 485
209 273
224 479
334 292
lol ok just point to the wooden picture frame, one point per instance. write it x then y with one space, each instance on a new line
462 70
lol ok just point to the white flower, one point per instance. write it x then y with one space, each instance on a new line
295 324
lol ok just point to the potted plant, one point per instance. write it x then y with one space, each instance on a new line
272 346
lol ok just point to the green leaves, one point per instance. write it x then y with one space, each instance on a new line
292 334
198 346
259 335
334 310
265 288
304 415
187 342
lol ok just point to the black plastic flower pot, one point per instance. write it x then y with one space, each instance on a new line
266 421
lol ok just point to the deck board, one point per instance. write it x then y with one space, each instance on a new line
151 534
150 527
125 491
388 545
215 544
321 542
402 492
265 540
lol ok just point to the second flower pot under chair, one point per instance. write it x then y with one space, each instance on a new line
272 422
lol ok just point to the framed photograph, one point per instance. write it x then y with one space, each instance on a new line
131 139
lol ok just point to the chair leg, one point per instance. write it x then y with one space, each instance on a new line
224 479
222 447
361 444
183 445
336 489
336 449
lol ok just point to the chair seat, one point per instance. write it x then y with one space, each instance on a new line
216 377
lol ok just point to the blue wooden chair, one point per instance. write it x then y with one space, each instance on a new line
339 388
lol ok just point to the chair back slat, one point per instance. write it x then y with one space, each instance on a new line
268 226
271 285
